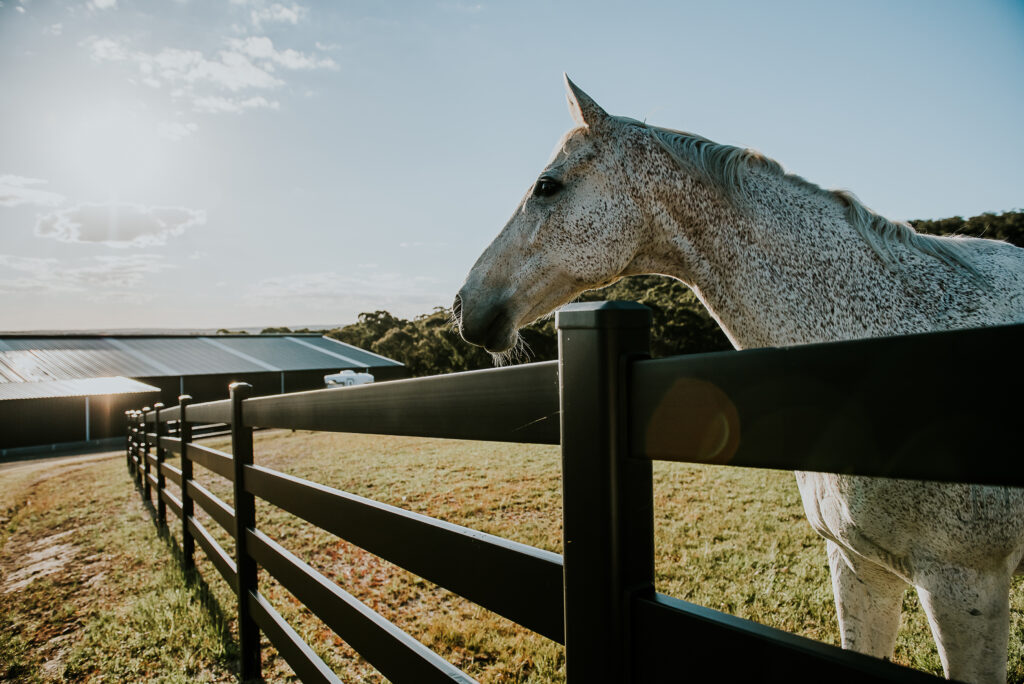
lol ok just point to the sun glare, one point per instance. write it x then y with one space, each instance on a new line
115 150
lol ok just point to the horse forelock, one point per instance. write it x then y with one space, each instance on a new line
731 168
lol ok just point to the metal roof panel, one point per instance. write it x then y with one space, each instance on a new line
86 387
189 356
368 359
40 359
280 352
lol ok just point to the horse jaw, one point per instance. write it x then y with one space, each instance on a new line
490 316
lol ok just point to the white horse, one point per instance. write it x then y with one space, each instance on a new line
779 261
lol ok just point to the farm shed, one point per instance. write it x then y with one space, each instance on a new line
200 365
55 411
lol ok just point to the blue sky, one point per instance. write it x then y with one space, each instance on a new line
236 163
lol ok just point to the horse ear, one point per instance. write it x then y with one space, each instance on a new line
584 110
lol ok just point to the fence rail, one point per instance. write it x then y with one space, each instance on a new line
870 407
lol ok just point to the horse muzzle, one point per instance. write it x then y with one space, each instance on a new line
486 325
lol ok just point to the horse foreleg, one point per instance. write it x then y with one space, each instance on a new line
969 614
869 599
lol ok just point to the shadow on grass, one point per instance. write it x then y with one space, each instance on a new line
193 580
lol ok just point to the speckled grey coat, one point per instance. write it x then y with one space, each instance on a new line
779 261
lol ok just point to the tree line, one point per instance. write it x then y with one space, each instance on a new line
429 345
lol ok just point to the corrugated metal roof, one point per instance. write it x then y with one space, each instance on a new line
360 356
86 387
41 359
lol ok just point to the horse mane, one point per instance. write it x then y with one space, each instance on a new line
729 168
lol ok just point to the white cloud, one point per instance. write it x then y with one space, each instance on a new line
102 4
216 105
175 130
53 30
118 225
262 48
278 14
101 277
106 49
213 83
231 70
15 190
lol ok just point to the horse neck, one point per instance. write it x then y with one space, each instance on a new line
788 270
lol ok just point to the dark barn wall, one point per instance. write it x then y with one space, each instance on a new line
53 420
169 389
27 422
301 381
106 413
213 387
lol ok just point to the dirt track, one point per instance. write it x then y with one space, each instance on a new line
53 461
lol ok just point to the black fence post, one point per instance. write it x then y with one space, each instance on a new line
137 446
161 483
131 446
245 518
129 420
608 522
144 453
128 440
188 544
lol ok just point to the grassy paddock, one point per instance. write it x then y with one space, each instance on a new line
119 608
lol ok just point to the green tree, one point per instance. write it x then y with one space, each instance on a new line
1008 226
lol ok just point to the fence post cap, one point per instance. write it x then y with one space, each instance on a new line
157 406
603 315
184 398
239 387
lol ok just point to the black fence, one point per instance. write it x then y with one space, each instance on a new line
908 407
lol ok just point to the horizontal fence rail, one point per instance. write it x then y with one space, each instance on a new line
397 655
211 459
526 410
307 664
210 412
663 623
867 407
517 581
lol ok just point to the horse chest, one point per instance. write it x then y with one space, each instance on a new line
907 526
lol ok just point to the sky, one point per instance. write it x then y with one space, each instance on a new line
244 163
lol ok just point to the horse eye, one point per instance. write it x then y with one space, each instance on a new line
546 187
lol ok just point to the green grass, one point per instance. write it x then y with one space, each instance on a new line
115 607
734 540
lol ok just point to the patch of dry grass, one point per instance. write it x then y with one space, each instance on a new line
734 540
91 592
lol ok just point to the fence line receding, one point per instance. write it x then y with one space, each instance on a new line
869 407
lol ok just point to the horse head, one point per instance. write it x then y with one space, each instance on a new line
580 226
